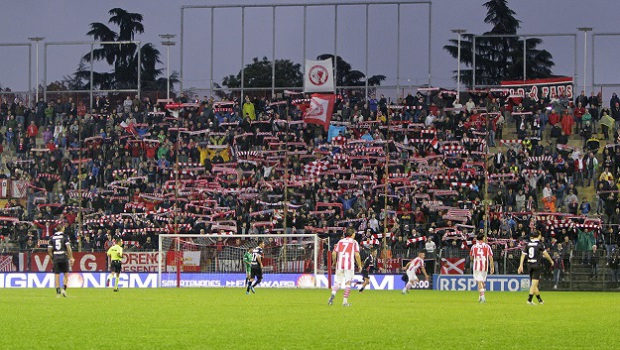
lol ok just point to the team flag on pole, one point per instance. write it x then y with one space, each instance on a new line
435 143
319 76
129 128
320 110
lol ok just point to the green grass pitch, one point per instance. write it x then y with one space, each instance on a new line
301 319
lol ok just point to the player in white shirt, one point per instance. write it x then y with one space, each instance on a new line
345 255
411 269
482 261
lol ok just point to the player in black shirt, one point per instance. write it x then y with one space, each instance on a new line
534 251
369 265
59 250
256 267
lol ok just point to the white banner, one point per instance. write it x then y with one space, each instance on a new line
191 258
319 76
191 261
4 188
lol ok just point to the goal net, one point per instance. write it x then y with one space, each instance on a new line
289 260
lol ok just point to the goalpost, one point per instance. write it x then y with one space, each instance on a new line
216 260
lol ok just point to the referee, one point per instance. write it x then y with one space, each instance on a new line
116 256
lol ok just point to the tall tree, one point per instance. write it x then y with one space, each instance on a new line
79 80
123 57
258 74
289 74
500 58
347 76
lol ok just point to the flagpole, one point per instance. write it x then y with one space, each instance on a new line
386 176
80 198
285 197
486 180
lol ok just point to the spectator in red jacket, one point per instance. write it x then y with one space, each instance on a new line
47 227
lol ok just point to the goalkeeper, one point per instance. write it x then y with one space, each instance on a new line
247 262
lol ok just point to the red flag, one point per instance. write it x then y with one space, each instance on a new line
129 128
452 266
320 110
435 142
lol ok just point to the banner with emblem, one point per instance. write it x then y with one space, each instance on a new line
319 76
320 110
5 186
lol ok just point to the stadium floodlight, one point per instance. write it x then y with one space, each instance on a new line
167 44
194 260
459 32
585 31
36 39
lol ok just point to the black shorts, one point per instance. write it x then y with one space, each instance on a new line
61 265
365 274
116 266
535 273
256 271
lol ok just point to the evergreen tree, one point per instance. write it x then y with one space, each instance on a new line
123 57
501 58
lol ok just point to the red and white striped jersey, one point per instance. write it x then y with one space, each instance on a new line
416 264
480 254
346 249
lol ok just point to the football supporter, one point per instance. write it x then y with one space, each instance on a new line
234 169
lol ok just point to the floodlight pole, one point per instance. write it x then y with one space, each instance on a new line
585 31
36 39
167 44
459 32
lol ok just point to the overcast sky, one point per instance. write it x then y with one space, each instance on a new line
68 20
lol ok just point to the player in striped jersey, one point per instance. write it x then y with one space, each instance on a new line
534 251
345 255
411 269
482 261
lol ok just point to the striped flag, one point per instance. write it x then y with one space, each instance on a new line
6 264
452 266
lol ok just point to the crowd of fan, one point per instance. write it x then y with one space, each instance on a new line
134 169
